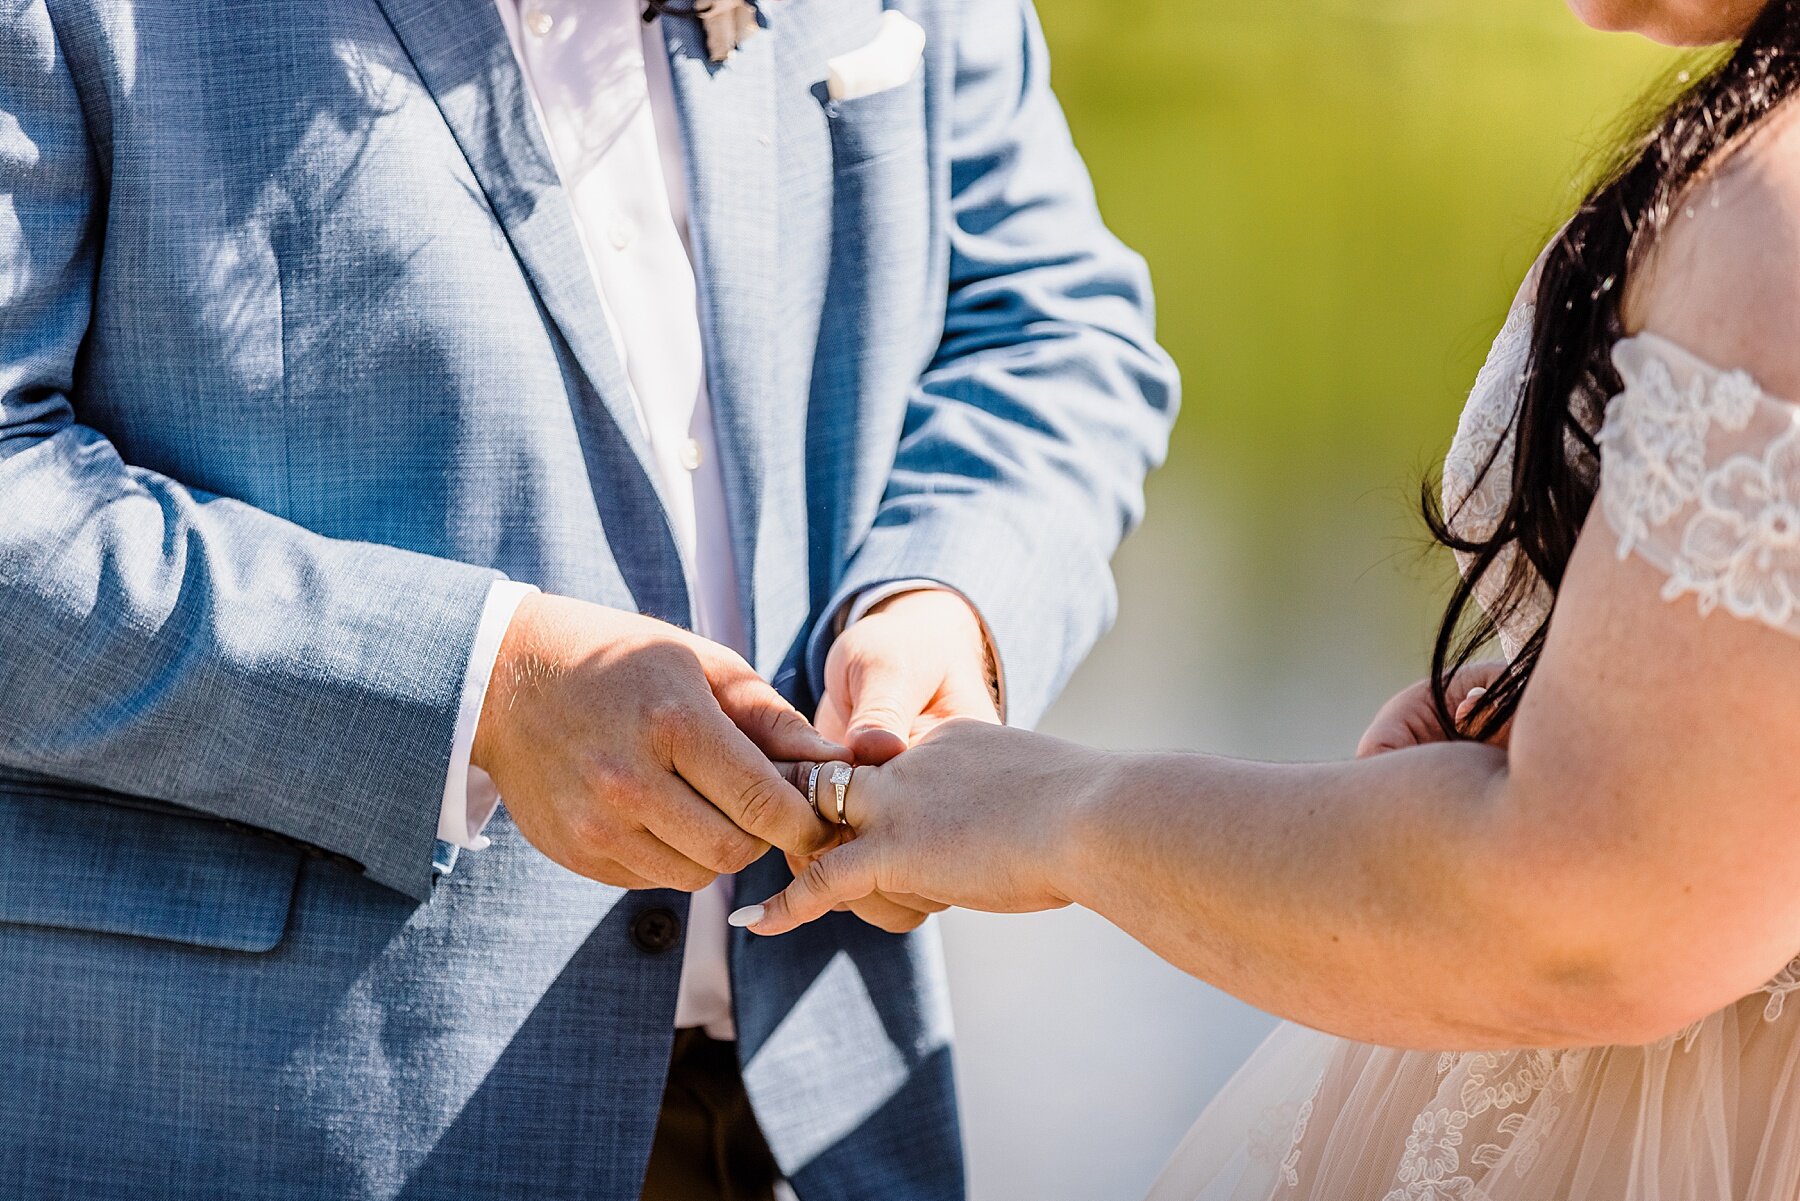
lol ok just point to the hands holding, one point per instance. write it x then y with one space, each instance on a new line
914 662
643 756
976 816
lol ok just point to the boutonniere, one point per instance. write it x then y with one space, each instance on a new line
728 24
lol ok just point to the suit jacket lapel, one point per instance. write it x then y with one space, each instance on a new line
727 114
462 54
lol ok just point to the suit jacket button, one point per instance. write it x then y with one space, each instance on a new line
655 930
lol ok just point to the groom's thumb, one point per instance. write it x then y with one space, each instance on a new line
881 717
872 677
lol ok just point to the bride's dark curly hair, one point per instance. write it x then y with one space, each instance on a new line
1569 375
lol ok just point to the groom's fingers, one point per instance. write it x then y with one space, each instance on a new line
889 914
835 878
724 766
764 716
916 903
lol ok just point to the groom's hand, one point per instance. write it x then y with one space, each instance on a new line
914 662
638 754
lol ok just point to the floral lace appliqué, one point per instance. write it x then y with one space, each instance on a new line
1786 981
1521 1087
1702 478
1742 549
1428 1170
1294 1119
1478 471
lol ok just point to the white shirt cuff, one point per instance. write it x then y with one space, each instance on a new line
867 599
470 797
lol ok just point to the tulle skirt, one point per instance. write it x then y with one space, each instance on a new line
1712 1114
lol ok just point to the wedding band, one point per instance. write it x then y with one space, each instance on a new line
841 776
812 789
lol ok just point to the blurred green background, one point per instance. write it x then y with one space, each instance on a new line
1337 200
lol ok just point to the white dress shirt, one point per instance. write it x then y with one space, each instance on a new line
599 83
600 87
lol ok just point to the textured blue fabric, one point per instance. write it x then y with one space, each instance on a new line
298 353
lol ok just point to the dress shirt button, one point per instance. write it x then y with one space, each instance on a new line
691 457
539 22
621 234
655 931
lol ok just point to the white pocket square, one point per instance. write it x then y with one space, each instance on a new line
887 62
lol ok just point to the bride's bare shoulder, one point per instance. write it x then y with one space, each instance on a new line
1724 280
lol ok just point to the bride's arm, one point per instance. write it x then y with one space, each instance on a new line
1630 863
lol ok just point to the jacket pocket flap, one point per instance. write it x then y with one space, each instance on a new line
77 863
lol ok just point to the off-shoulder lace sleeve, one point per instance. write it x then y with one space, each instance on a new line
1700 476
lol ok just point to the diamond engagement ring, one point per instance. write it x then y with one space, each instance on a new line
841 776
812 790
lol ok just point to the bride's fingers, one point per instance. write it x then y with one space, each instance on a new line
860 796
1406 720
836 877
800 775
1469 701
895 912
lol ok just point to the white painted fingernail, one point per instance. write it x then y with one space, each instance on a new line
749 915
1474 694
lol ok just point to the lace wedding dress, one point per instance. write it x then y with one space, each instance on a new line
1700 477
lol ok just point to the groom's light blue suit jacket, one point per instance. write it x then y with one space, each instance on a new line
298 353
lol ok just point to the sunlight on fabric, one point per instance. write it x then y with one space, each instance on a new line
461 1020
838 1008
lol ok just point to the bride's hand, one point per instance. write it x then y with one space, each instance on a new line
977 816
1410 718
